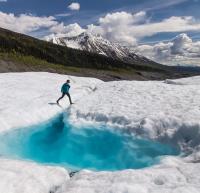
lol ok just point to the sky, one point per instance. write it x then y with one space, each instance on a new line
167 31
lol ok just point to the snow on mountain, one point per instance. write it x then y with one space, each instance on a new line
97 44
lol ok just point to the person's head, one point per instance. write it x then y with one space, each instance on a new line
68 81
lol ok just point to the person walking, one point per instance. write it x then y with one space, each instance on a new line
65 91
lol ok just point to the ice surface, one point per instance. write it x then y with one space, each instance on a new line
160 110
25 177
173 177
153 109
29 98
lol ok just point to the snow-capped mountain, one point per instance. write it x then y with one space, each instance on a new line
97 44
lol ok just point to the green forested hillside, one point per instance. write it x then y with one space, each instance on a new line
17 43
20 52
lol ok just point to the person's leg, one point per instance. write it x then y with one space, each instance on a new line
70 100
63 94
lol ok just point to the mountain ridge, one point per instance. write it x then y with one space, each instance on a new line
22 53
97 44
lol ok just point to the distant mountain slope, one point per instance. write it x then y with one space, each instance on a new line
97 44
15 42
20 52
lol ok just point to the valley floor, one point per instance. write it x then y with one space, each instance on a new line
166 111
12 63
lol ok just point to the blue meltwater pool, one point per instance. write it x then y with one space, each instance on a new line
59 143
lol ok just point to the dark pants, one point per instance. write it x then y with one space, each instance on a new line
63 94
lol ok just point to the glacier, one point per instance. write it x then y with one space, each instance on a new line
166 111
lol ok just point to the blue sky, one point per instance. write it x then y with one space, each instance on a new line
158 8
138 18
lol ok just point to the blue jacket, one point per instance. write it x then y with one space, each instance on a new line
65 88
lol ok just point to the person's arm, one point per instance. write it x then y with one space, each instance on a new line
68 86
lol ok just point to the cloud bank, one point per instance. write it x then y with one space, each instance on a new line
124 28
181 50
25 23
128 28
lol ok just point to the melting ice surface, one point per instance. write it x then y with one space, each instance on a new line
57 142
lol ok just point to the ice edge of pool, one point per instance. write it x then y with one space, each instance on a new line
95 147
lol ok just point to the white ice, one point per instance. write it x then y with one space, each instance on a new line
29 98
168 111
25 177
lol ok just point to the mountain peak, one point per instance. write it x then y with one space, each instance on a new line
97 44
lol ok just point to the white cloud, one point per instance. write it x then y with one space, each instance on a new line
117 26
157 4
63 15
3 0
172 24
121 27
128 28
74 6
25 23
125 28
180 50
68 31
180 44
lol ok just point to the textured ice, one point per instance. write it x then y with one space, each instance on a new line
166 111
29 98
25 177
156 110
75 148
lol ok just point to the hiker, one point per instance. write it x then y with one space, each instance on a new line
65 91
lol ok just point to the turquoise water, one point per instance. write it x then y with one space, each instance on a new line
59 143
